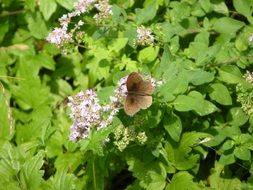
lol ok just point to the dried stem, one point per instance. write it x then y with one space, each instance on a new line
10 118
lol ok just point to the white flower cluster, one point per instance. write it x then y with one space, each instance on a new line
105 10
87 112
249 77
144 36
63 35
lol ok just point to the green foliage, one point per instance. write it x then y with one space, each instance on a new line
196 135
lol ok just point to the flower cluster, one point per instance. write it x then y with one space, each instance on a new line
144 36
245 95
105 10
123 136
249 77
63 35
87 112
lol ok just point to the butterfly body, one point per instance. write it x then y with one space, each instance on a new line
139 94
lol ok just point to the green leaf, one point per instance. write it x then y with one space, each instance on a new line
219 93
242 153
227 25
206 5
30 93
47 7
220 7
38 125
9 161
165 63
224 182
179 11
227 145
151 174
62 181
37 26
31 175
118 44
148 54
237 117
244 8
227 159
173 126
177 84
199 77
95 141
4 27
68 161
146 14
182 181
153 116
67 4
180 154
31 4
44 60
105 93
230 74
195 102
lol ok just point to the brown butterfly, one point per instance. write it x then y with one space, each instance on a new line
139 94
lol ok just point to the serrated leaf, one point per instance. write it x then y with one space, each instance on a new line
118 44
173 126
47 7
62 181
30 174
9 161
180 154
175 85
37 26
194 102
225 182
30 94
242 153
146 14
95 141
182 181
237 117
220 94
227 25
199 77
151 174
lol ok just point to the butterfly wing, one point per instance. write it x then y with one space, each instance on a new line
131 105
144 101
145 88
133 80
139 94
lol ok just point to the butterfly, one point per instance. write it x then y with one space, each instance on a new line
139 94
